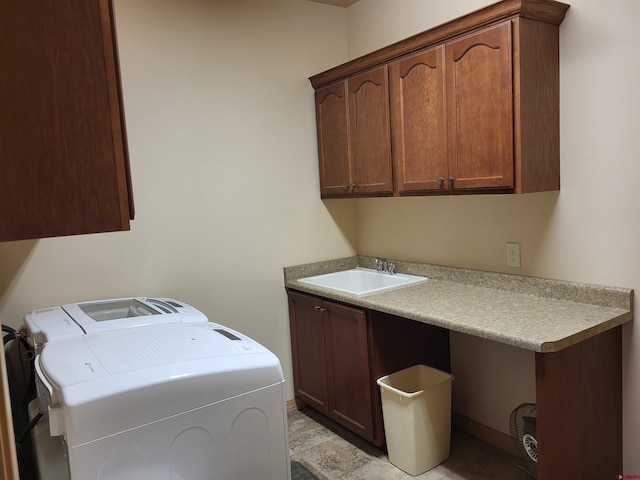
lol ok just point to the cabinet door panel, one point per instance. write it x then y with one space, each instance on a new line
369 136
307 341
348 368
418 122
480 109
64 156
333 153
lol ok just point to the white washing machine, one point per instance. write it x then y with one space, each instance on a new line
164 401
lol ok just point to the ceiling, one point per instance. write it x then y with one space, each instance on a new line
337 3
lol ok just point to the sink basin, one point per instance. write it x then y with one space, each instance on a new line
362 281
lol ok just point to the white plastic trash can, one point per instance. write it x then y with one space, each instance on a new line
416 407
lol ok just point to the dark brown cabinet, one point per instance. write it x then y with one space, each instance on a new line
339 352
474 103
308 347
331 358
354 144
480 110
348 374
64 164
503 107
418 122
333 148
451 115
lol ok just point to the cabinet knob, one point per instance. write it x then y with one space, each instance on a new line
347 186
440 180
353 186
320 309
450 179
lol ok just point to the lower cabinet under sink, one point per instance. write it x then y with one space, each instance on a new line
339 351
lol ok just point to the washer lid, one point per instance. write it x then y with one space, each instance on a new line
76 319
119 313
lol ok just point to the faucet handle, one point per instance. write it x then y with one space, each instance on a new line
381 264
391 268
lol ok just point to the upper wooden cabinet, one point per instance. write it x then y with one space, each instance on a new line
64 163
354 144
480 110
474 103
369 137
419 121
333 148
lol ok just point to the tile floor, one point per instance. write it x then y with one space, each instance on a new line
332 453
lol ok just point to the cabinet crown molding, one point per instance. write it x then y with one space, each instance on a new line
547 11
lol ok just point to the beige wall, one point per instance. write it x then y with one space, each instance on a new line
588 232
222 138
221 128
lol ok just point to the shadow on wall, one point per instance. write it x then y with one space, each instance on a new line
344 213
13 256
468 231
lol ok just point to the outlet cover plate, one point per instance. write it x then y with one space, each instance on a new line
513 255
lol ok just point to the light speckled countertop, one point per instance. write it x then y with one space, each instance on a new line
527 312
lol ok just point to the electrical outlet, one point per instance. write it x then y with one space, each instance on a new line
513 255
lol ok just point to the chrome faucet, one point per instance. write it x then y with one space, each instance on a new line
385 266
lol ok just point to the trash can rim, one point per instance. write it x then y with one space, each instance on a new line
383 381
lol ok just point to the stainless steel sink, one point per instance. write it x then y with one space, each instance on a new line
362 281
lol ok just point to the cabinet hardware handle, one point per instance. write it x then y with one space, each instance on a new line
450 179
347 186
320 309
440 180
353 186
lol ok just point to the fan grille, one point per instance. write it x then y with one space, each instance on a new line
522 426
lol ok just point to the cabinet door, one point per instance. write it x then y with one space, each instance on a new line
418 122
308 350
369 136
64 165
348 370
333 151
480 109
